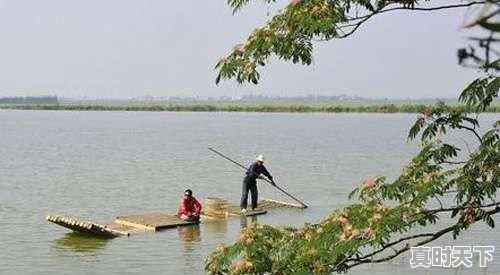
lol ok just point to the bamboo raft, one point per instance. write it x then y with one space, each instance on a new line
150 222
123 225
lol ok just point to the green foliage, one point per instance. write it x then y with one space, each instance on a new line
237 5
481 92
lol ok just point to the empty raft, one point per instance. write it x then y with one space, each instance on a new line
235 211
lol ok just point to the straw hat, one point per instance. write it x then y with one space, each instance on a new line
260 158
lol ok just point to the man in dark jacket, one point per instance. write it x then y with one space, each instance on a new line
250 182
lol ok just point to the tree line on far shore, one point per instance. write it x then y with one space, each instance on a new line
29 100
284 108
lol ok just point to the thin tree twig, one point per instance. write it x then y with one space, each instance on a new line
433 237
473 131
453 162
469 4
417 236
365 18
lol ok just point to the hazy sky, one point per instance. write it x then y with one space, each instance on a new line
131 48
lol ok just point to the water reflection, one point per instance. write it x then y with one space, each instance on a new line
246 221
215 227
190 236
81 243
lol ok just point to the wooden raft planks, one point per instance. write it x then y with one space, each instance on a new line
152 221
263 206
124 228
272 204
235 211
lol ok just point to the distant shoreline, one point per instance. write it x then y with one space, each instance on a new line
263 108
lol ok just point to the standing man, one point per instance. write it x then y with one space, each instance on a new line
250 182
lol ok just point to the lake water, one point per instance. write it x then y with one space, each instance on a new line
98 165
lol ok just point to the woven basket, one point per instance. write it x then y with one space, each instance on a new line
216 208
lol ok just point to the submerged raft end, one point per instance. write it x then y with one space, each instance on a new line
86 226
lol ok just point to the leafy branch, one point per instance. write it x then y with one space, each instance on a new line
289 35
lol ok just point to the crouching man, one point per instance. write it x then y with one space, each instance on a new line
189 207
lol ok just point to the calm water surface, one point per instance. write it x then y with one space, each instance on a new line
98 165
